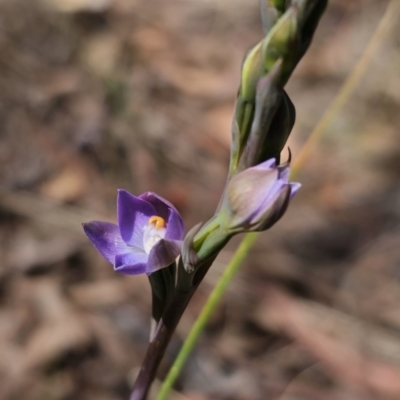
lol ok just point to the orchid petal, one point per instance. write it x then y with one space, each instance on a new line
163 254
271 195
275 212
107 239
131 263
294 188
169 213
175 228
271 163
133 215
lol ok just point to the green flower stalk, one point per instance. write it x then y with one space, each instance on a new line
289 28
258 191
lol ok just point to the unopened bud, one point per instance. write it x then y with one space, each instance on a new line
256 198
282 42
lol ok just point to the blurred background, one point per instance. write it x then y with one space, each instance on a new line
97 95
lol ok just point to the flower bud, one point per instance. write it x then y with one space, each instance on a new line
272 122
256 198
278 132
278 48
268 99
282 42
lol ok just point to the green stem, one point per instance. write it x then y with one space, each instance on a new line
206 312
204 232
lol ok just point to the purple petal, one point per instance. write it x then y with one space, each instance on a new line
161 205
272 194
267 164
294 188
106 238
274 213
168 212
175 228
131 263
133 215
163 254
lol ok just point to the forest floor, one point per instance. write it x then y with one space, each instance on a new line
97 95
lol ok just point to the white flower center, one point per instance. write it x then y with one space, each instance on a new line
153 233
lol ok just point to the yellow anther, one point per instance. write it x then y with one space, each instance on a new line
157 221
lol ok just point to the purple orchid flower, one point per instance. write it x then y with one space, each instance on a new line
258 197
147 238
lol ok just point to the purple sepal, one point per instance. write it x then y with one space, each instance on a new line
133 214
106 238
163 254
294 188
131 263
